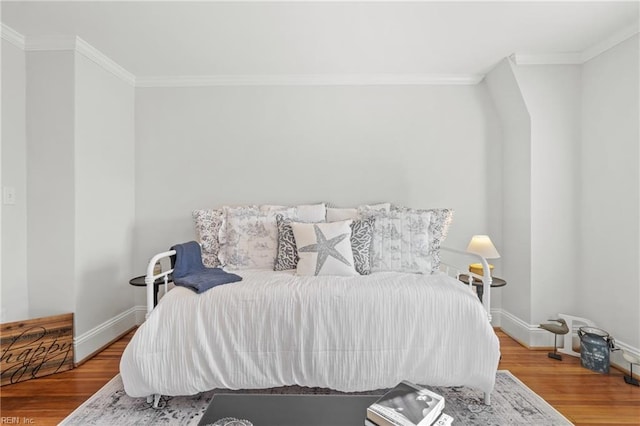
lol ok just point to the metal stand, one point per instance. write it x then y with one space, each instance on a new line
568 338
555 354
630 380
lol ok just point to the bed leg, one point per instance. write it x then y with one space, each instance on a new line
154 400
487 398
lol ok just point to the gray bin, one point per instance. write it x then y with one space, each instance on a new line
595 348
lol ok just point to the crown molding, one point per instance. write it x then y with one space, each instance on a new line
611 41
577 58
104 61
74 43
78 45
12 36
310 80
547 59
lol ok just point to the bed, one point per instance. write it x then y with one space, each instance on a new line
347 333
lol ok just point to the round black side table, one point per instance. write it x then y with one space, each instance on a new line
139 282
477 282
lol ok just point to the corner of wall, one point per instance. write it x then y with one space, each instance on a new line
516 191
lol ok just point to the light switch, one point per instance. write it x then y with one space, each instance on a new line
9 195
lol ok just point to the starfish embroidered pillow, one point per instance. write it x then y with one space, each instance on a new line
324 248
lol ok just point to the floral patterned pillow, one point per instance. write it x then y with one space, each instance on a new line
440 221
438 229
208 224
249 237
401 241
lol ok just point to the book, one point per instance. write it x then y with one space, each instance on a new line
443 420
406 404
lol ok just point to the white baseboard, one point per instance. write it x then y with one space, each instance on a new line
98 337
527 334
533 337
496 317
141 312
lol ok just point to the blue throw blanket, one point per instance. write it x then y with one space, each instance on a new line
189 271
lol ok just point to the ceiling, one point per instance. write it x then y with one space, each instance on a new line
180 38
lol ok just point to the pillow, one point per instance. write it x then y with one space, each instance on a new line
287 254
401 241
440 221
335 215
361 238
249 237
208 224
377 207
311 212
324 248
304 212
438 229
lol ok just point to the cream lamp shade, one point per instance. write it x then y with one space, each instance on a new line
482 245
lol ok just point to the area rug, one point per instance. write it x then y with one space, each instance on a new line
512 403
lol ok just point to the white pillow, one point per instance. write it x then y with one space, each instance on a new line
304 212
384 207
324 248
249 237
311 212
335 215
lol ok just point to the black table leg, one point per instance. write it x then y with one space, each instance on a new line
156 287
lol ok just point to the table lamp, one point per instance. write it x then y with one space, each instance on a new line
482 245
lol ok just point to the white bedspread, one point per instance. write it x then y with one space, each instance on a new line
345 333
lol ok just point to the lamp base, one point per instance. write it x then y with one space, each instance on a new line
477 268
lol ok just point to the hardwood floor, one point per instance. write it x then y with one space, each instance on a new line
584 397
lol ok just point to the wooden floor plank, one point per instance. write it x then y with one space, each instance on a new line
581 395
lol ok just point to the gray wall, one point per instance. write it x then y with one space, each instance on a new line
552 97
104 194
14 291
515 246
80 189
50 182
609 193
420 146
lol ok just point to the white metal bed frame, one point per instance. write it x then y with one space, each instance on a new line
486 278
448 268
